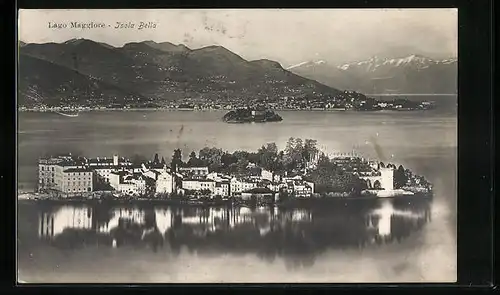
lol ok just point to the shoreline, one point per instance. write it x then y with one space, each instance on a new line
177 202
224 110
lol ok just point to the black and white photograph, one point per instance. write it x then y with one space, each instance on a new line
237 146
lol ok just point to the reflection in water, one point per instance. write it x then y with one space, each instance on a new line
295 234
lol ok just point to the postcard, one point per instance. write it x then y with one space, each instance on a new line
237 146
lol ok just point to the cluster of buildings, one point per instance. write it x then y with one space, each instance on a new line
79 176
70 176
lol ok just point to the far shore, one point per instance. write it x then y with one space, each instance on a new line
218 110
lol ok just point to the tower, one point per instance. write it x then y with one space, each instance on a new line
387 178
115 160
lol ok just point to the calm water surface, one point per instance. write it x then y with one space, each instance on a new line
357 241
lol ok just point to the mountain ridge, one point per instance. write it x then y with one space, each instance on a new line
65 85
164 72
413 73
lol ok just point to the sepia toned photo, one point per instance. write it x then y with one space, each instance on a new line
237 146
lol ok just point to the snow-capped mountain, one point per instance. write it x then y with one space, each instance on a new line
414 61
307 64
408 74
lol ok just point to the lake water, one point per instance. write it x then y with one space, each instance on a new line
342 242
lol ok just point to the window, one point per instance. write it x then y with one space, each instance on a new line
43 168
52 168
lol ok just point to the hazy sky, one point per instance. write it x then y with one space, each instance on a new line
288 36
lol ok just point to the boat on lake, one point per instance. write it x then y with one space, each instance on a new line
67 113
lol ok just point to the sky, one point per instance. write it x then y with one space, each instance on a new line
288 36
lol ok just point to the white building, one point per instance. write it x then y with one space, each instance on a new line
265 174
127 183
165 182
153 174
300 188
113 162
75 180
197 171
218 176
199 184
240 185
385 178
222 188
50 170
55 172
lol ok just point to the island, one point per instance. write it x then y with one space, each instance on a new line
299 173
250 115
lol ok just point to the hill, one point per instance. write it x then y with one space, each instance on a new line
44 83
165 72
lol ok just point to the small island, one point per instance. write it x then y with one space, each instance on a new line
299 173
249 115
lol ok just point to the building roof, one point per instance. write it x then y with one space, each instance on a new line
78 169
134 176
111 167
101 160
151 165
247 180
199 180
155 172
259 190
109 160
219 184
121 172
66 163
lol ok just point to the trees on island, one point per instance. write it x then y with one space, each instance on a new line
400 177
176 160
327 176
293 158
211 157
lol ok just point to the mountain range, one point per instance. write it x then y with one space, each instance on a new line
87 73
412 74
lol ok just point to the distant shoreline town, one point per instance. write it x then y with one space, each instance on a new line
300 171
147 74
352 102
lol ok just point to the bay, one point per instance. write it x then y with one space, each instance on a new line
425 142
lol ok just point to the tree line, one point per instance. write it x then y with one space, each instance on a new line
327 175
293 158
